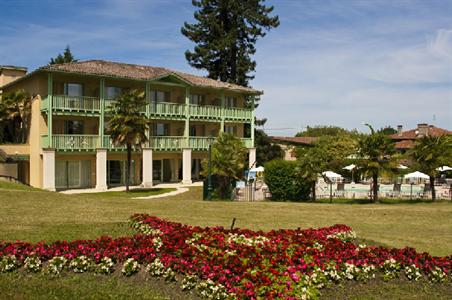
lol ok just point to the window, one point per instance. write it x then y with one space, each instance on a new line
73 89
113 92
230 129
160 96
197 99
73 127
230 101
197 130
161 129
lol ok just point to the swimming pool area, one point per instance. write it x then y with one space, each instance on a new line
357 190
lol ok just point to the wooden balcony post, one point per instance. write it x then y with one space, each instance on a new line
102 111
223 112
187 115
49 107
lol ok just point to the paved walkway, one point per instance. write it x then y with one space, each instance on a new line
180 188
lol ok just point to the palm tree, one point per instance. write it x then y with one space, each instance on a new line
16 108
128 124
376 152
429 153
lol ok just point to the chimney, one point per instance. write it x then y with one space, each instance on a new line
399 129
422 129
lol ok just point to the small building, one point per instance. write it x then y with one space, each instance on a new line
68 144
288 144
404 140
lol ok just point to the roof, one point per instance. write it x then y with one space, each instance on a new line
414 133
304 140
404 144
6 67
141 72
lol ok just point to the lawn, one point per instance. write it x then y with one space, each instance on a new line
35 215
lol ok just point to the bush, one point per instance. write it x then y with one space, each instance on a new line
283 182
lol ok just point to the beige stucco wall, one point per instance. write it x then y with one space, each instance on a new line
9 75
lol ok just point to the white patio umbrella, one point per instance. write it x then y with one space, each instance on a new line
444 168
416 175
350 168
258 169
332 175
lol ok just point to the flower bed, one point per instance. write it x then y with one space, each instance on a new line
229 264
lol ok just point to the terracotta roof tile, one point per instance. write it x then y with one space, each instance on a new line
404 144
140 72
414 134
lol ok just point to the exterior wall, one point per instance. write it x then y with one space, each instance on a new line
289 152
9 75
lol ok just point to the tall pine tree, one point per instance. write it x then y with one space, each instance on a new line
66 57
225 33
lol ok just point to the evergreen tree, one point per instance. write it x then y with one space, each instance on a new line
225 33
66 57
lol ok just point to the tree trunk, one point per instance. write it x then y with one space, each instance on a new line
375 187
129 159
432 187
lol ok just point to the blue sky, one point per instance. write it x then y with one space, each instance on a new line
329 62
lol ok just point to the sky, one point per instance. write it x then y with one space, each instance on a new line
337 62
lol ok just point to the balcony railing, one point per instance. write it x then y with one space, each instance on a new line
204 111
108 103
86 104
73 103
233 113
166 109
174 143
67 142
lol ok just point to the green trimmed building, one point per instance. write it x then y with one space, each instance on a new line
68 146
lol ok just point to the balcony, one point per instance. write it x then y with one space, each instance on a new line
167 110
77 104
204 111
237 114
66 105
71 142
174 143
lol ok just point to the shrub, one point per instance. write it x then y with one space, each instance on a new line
283 182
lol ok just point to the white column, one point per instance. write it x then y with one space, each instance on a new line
252 157
147 167
186 166
48 167
101 169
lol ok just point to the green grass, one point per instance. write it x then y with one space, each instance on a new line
35 215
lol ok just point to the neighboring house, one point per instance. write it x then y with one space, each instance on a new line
404 140
68 146
288 144
10 73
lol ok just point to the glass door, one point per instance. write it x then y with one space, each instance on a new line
157 170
